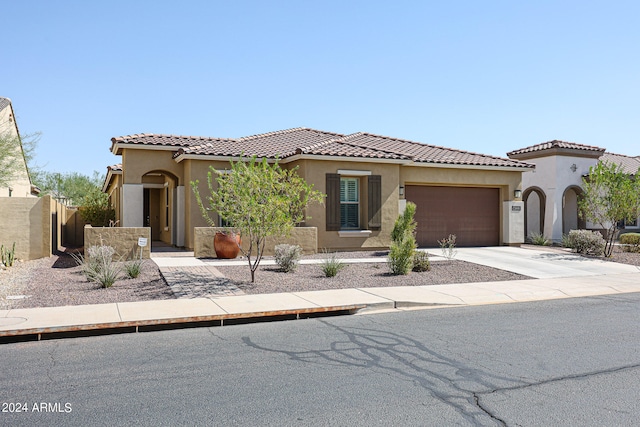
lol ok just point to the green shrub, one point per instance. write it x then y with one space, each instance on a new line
8 255
566 242
331 265
287 256
585 242
421 262
538 239
404 223
630 242
133 268
448 246
401 253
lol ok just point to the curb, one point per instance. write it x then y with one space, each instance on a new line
57 332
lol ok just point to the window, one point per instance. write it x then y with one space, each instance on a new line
343 208
349 203
166 207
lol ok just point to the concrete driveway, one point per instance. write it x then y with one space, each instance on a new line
541 264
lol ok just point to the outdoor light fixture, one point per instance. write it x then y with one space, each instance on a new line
573 167
401 190
517 194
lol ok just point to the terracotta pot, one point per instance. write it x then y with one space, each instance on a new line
227 246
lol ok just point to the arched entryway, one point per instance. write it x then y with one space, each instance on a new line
535 202
570 213
160 205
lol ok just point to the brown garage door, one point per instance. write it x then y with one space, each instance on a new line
472 214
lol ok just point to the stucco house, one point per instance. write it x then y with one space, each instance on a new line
553 188
19 183
367 178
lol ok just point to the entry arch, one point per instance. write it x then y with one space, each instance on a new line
535 203
571 219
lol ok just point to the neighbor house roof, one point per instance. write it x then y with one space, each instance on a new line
291 143
556 147
4 103
629 164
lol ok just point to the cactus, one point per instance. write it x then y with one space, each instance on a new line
8 255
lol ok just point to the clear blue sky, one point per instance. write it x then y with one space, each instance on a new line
484 76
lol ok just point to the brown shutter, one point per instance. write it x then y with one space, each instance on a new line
333 202
374 204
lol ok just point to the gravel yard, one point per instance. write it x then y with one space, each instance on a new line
57 281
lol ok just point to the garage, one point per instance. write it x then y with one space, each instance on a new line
471 213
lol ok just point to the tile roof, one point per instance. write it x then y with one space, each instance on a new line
629 165
305 141
115 168
424 153
4 103
555 144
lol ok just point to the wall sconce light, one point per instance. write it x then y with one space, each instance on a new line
573 168
401 190
517 194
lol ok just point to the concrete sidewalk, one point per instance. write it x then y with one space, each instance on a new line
587 277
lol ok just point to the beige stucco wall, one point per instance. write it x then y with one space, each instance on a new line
20 183
138 162
123 239
314 172
27 221
305 237
197 170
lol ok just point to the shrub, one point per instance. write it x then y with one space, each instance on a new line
401 255
630 242
538 239
404 223
287 256
8 255
98 265
331 265
403 242
133 268
421 262
586 242
448 246
566 242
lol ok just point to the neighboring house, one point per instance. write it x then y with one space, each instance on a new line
19 184
552 190
367 178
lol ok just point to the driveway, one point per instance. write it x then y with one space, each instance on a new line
541 264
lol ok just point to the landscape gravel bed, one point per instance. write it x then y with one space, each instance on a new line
269 279
57 281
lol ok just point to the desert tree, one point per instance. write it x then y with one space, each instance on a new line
258 199
610 197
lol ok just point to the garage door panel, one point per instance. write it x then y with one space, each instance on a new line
472 214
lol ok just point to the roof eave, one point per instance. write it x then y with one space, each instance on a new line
525 167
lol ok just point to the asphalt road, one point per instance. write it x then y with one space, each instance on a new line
565 362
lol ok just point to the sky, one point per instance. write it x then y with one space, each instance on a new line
482 76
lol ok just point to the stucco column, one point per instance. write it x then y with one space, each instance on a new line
132 205
179 215
512 222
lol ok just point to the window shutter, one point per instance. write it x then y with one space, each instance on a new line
374 205
333 202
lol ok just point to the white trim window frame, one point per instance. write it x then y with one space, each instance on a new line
349 203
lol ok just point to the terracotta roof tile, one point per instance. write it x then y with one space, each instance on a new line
629 165
555 144
425 153
4 103
286 143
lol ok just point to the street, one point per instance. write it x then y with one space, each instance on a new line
561 362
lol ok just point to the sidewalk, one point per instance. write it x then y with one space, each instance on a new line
217 310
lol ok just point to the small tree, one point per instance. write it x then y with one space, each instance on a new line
96 209
610 196
16 155
259 200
